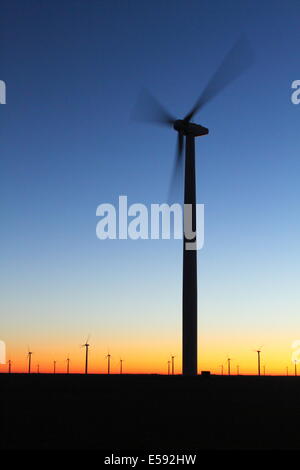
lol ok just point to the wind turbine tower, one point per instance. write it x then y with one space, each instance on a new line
173 364
29 360
68 365
108 363
121 366
258 361
228 365
86 346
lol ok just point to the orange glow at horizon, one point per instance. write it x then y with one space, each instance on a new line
144 358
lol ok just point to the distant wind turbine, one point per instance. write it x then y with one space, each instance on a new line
222 369
29 354
228 364
38 368
121 366
9 366
169 363
86 346
68 365
173 364
108 356
258 351
54 367
295 368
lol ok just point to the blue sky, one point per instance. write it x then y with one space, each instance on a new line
73 72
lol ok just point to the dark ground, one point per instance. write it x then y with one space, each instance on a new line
146 412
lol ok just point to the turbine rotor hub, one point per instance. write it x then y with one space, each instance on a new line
190 128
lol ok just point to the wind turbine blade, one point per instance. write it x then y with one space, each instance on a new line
177 172
238 59
148 109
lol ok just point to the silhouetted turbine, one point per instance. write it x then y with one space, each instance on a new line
228 365
68 365
258 351
258 362
9 366
29 360
236 61
121 366
108 356
86 346
173 364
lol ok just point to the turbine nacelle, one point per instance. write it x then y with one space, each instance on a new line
189 128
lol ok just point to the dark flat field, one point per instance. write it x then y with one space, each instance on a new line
143 412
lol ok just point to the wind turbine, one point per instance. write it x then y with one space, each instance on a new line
238 59
295 367
29 354
173 364
222 369
169 362
229 359
86 346
9 366
54 367
121 366
258 351
108 356
258 361
38 368
68 364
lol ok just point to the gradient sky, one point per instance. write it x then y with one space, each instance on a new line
73 71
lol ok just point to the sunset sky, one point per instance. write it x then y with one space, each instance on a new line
73 76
